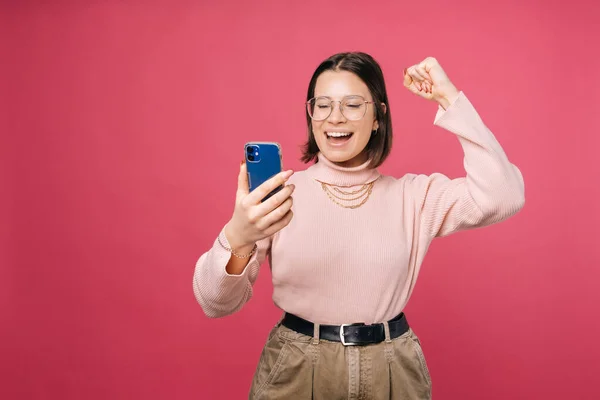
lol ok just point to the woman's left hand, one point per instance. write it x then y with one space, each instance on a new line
428 80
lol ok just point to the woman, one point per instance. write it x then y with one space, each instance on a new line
347 262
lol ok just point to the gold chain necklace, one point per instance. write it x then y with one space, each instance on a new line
338 195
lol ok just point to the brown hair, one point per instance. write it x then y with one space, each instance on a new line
369 71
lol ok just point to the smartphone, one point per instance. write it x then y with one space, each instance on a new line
263 161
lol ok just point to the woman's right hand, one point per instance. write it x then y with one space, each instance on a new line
252 220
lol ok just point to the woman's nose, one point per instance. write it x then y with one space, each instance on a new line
336 113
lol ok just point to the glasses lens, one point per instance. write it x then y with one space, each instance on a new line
354 107
319 108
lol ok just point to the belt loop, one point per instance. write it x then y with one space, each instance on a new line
386 329
316 333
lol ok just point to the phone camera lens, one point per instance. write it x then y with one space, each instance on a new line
250 157
250 149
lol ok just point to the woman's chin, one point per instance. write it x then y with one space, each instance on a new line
344 158
338 156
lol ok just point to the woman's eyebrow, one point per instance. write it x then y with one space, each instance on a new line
347 95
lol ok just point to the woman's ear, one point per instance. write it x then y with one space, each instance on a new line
376 123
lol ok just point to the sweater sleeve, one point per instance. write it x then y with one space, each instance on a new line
491 191
219 293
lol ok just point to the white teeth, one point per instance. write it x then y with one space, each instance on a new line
338 134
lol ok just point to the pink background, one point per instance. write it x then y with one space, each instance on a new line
122 130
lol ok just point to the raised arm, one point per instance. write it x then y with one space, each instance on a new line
493 187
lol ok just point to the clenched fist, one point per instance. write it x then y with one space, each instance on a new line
428 80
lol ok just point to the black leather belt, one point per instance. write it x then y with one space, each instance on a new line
348 334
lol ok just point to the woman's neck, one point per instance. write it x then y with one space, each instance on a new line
334 173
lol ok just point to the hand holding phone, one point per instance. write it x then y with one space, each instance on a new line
263 203
263 161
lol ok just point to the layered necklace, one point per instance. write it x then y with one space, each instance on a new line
345 197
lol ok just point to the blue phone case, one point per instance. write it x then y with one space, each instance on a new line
263 161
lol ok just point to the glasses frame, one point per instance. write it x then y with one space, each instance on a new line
307 104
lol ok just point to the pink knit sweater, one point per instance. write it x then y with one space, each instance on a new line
334 265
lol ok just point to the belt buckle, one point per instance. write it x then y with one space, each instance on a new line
342 339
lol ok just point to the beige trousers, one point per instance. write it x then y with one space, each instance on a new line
296 366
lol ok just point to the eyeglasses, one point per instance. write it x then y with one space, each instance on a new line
353 108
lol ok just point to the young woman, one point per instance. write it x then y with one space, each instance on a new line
345 253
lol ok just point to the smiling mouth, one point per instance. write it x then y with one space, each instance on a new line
338 137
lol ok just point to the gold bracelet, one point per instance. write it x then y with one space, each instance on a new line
229 249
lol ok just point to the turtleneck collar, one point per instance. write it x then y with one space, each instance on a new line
328 172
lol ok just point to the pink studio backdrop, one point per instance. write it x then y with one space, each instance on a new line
122 131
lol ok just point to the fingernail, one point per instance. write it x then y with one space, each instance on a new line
404 71
287 174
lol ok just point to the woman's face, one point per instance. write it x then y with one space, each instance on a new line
347 150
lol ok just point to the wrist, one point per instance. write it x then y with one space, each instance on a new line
235 242
448 97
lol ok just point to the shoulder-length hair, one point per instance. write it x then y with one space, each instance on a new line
369 71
